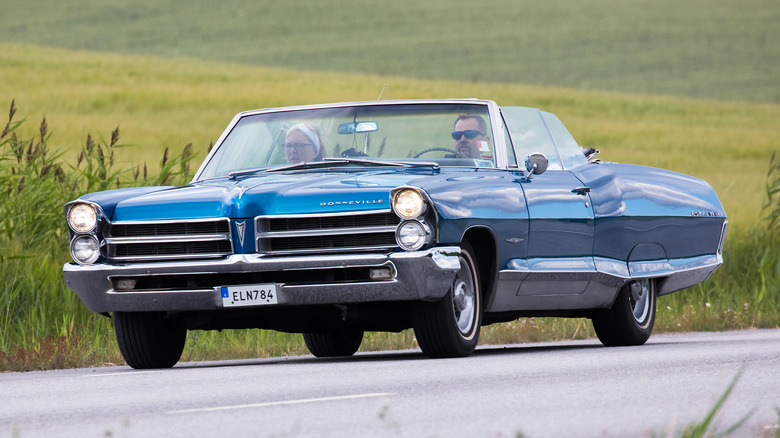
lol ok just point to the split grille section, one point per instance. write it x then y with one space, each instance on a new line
179 240
170 228
331 233
384 219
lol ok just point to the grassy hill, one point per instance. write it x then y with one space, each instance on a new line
725 49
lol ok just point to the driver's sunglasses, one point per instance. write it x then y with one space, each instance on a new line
471 133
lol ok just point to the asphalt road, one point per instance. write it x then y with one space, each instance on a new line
576 388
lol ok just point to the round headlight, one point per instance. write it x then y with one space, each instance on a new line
411 235
409 204
85 249
82 218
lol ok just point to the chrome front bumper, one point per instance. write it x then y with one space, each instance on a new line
415 275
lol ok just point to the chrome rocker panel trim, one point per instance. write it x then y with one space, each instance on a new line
590 283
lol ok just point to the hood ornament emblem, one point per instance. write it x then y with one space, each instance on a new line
240 230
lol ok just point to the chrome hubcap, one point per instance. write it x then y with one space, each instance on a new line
463 306
640 300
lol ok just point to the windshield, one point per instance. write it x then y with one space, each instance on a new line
445 134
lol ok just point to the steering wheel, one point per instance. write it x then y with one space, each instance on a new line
425 151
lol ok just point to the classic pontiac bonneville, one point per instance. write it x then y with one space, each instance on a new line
437 215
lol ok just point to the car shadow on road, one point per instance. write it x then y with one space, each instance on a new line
396 355
488 350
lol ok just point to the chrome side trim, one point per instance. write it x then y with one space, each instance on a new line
616 268
586 266
650 268
568 264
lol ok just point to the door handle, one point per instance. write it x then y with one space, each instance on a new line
581 190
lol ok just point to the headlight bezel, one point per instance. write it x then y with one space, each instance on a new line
424 235
409 203
91 239
88 210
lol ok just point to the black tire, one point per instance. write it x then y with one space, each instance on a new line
148 340
630 320
450 327
333 344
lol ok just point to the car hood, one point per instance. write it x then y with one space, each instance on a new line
267 194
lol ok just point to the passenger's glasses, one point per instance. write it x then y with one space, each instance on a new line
296 146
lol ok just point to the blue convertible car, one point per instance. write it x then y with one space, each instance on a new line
439 215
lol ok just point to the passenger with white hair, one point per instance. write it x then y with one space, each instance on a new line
303 143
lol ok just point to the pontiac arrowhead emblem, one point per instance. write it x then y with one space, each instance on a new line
240 229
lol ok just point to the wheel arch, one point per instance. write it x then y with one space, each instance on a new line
483 241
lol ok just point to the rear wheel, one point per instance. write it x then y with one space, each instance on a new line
333 344
450 327
148 339
630 320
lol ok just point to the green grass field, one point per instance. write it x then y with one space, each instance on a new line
725 49
693 87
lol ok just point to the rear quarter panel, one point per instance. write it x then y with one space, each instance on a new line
642 213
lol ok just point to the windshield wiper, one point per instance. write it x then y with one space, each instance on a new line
329 162
237 173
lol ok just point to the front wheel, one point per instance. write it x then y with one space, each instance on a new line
630 320
148 339
333 344
450 327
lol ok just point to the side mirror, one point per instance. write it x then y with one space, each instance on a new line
536 164
591 153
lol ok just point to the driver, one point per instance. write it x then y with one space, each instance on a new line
470 136
303 144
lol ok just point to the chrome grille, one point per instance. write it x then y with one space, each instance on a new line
355 231
175 240
142 229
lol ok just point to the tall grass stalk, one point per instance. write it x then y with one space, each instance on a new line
42 323
702 428
706 427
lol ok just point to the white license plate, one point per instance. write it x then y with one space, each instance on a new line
249 295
